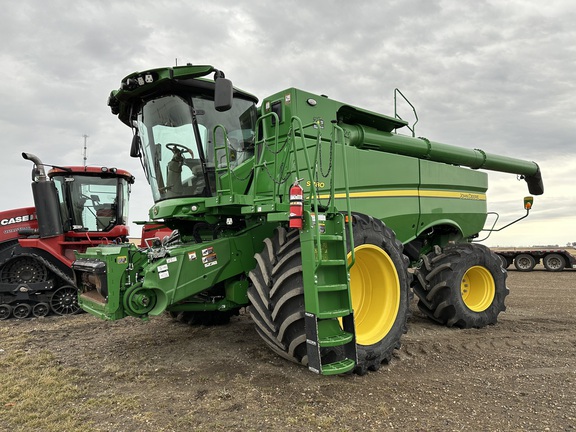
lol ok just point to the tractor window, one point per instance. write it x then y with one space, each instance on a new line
179 157
92 203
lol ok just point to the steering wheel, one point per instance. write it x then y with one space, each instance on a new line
183 149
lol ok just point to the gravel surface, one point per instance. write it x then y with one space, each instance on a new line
518 375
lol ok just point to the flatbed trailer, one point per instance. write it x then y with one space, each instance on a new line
525 259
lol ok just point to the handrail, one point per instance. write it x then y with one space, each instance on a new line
349 225
259 160
413 128
217 168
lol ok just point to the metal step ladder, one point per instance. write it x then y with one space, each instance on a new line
329 318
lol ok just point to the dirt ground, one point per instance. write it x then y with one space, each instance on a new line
518 375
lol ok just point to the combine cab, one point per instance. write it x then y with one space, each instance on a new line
75 208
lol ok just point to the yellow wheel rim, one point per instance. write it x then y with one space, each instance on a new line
478 288
375 291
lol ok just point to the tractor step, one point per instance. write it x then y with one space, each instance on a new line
335 313
336 339
331 237
339 367
333 262
332 287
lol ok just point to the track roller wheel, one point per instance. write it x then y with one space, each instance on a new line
24 270
40 310
463 285
379 284
5 311
64 300
22 310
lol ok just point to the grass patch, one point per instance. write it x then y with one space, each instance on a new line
37 393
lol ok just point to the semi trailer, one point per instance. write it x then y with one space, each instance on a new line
525 259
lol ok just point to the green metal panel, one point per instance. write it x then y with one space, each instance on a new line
452 195
119 268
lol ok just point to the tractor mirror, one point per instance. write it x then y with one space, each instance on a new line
135 148
528 201
223 94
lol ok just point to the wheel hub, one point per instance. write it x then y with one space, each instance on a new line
375 291
478 288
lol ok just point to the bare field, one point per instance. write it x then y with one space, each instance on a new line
80 373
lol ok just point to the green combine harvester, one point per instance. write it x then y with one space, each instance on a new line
307 211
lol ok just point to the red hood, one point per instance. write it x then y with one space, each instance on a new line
11 221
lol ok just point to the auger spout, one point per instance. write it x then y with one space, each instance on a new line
369 138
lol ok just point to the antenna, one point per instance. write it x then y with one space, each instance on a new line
85 138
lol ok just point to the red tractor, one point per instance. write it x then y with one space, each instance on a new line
76 207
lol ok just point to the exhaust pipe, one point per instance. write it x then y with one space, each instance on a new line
45 200
39 165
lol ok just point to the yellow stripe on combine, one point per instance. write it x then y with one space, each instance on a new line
412 193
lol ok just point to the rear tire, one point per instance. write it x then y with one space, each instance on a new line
379 289
506 262
524 262
462 286
554 262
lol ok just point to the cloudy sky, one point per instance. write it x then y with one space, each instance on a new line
495 75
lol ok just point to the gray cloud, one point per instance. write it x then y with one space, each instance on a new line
482 74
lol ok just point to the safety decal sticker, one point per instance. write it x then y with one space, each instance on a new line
209 260
121 260
163 267
171 260
192 256
207 251
163 275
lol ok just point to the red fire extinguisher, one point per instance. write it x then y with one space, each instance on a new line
296 205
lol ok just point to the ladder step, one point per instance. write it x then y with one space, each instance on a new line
341 338
335 313
330 288
331 237
338 367
332 262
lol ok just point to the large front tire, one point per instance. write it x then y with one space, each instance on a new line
462 286
379 289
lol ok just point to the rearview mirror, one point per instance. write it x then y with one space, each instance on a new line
135 148
222 94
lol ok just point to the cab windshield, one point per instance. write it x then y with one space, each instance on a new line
92 203
177 135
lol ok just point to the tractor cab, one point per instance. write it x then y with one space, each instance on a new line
93 199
